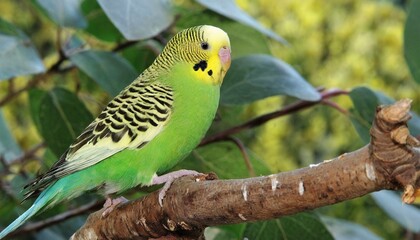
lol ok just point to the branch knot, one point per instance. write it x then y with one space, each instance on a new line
392 147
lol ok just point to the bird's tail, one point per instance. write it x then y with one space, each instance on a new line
38 205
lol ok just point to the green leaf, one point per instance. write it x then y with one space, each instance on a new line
230 231
345 230
406 215
99 24
7 208
73 45
300 226
17 54
229 9
62 117
414 124
412 39
365 102
35 99
256 77
218 233
49 158
139 19
109 70
65 13
142 54
9 149
241 43
225 160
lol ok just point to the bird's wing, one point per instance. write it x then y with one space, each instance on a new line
129 121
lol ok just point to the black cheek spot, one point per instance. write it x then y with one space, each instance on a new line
201 65
210 72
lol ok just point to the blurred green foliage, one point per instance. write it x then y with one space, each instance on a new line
331 44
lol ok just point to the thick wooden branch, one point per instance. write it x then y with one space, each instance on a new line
389 162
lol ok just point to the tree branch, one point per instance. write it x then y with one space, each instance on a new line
245 156
390 161
28 154
11 95
294 107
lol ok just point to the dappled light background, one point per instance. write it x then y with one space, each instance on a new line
332 44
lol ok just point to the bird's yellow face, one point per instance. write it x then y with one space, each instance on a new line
205 49
216 46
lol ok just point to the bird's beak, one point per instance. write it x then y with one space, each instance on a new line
224 55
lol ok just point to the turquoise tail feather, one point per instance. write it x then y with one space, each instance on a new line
38 205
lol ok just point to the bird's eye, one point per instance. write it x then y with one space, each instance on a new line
204 45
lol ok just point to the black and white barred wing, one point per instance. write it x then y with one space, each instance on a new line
129 121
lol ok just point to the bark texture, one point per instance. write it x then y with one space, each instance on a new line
390 161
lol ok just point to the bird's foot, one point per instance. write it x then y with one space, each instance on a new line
110 204
168 179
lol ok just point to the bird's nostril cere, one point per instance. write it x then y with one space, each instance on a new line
224 54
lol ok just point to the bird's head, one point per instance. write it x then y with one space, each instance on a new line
205 48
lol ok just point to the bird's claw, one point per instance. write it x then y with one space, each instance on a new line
110 205
168 179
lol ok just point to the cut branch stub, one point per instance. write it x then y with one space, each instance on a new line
393 150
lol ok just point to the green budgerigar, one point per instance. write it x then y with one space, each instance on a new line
146 129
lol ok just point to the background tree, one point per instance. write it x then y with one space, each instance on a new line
61 61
